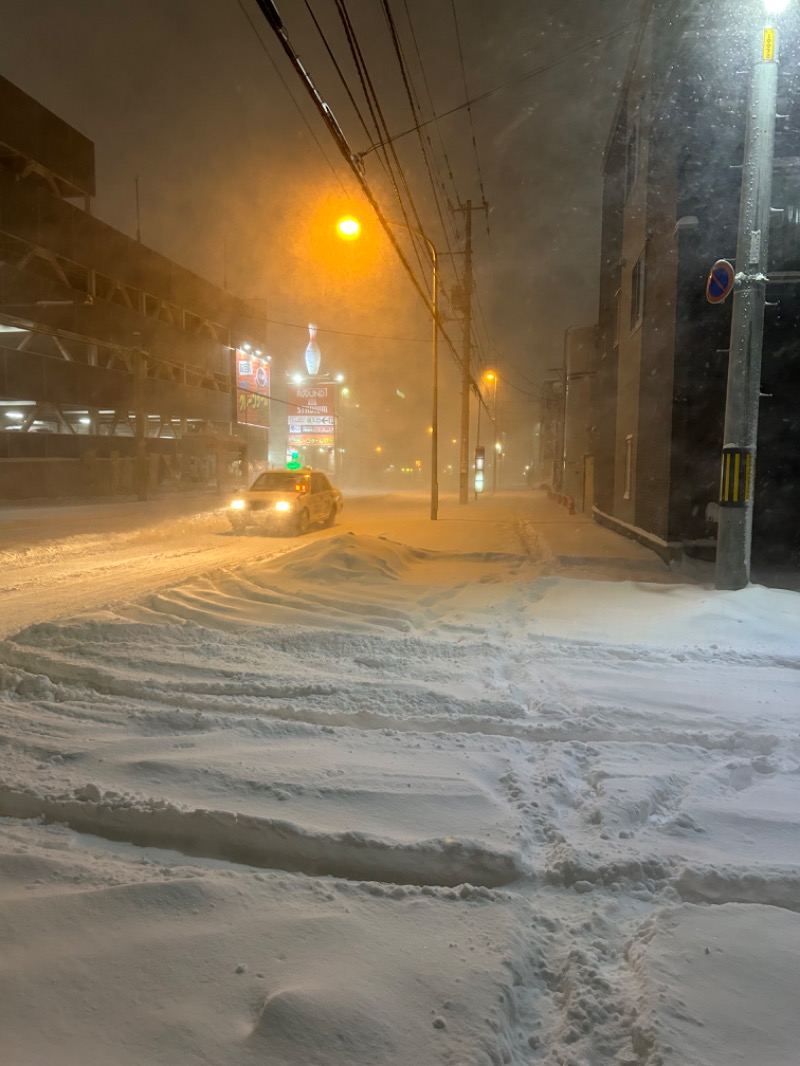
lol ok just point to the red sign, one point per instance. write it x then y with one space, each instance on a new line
252 388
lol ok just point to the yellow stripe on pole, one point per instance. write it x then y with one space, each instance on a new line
768 49
737 463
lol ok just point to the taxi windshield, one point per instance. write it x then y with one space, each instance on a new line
280 481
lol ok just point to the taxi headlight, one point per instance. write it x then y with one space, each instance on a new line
283 505
237 505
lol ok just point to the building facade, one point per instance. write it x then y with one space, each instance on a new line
118 368
672 183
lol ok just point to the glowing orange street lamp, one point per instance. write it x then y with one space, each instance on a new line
349 229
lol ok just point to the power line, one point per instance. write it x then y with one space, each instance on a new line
377 116
270 13
338 69
349 333
515 81
289 93
469 108
413 104
450 203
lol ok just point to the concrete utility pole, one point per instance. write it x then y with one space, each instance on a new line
735 529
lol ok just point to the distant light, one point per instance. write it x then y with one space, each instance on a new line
775 7
15 416
340 377
258 351
246 347
345 391
348 228
85 421
297 379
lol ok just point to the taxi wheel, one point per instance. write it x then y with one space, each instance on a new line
331 517
301 523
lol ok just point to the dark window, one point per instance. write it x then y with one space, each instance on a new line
784 233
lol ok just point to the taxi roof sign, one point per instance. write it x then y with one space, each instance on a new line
720 281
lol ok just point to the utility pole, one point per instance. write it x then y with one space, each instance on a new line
735 529
466 374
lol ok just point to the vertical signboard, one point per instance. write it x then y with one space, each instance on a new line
312 415
252 389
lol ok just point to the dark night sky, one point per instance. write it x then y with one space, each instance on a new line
233 183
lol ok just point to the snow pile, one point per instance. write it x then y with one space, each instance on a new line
379 801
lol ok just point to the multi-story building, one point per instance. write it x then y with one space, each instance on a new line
672 182
118 368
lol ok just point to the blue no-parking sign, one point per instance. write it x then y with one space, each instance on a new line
720 281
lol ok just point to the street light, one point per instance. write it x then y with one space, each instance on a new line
349 229
737 480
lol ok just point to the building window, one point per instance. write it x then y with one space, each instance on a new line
784 230
632 152
637 293
628 466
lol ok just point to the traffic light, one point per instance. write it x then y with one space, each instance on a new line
293 461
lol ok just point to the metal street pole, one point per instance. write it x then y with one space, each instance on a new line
349 228
494 436
735 529
466 377
435 368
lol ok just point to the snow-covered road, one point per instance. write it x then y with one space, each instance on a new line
501 789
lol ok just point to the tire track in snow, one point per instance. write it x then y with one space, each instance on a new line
266 843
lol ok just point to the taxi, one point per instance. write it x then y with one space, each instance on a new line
292 500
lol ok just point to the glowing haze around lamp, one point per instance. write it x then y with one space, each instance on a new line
313 354
775 7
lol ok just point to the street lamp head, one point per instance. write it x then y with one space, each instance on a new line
775 7
348 228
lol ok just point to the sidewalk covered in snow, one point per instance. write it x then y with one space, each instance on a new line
499 789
